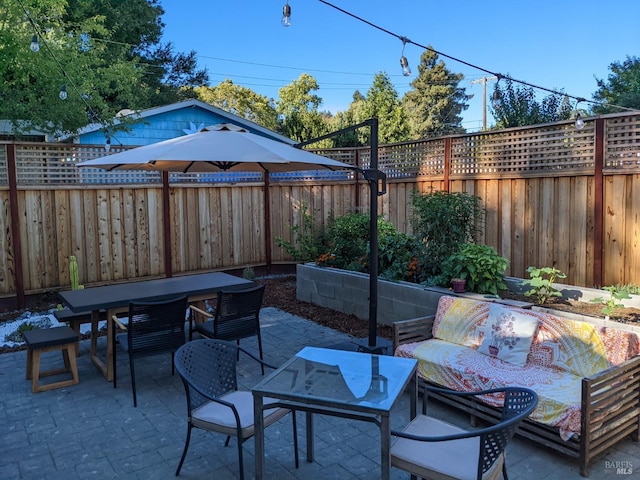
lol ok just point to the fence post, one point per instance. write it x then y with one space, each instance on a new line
447 164
166 212
598 202
267 223
15 225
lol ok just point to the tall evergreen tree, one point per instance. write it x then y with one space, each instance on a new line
382 101
435 103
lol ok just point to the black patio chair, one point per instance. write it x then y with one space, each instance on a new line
434 449
214 403
236 315
152 328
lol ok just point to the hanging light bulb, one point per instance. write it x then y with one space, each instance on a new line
495 99
107 144
35 45
404 63
286 15
63 93
406 69
579 121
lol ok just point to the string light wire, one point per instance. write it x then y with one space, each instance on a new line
499 75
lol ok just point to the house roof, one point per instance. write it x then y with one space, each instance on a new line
150 112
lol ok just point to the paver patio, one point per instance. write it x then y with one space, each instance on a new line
92 430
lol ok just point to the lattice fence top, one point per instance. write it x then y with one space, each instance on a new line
622 149
557 149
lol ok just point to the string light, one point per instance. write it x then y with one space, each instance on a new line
286 15
63 93
35 46
579 121
404 63
522 82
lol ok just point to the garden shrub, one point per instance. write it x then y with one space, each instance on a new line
481 267
444 221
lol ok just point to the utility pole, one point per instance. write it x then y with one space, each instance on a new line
484 81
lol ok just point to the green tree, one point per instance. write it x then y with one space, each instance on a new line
517 106
435 103
105 53
134 30
31 81
382 101
622 87
242 102
298 108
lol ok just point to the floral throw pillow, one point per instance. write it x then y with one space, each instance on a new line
508 334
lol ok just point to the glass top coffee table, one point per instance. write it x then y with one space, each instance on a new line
353 385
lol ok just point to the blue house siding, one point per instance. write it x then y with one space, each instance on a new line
162 123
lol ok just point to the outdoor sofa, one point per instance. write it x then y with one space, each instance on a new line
587 376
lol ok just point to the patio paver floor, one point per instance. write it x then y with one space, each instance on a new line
91 430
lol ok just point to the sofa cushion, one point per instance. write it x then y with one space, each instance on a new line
508 333
460 320
464 369
568 345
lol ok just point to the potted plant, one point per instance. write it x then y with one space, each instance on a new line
479 265
458 285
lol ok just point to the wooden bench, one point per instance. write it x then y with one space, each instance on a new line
75 319
49 340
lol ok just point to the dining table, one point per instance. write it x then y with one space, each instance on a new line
348 384
115 298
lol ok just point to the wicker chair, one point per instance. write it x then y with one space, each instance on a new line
152 328
433 449
214 403
236 315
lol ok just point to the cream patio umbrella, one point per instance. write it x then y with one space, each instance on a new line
220 147
225 147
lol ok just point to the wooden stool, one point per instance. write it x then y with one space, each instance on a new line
48 340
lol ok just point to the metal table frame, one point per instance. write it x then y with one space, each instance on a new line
115 299
305 373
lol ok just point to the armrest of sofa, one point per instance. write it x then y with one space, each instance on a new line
412 330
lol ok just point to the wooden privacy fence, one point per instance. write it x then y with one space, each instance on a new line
552 196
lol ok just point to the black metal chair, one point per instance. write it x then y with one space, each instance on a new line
152 328
433 449
214 403
236 315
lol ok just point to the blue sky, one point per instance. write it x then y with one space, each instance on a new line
562 44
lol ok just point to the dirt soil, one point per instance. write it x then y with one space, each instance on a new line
622 315
280 292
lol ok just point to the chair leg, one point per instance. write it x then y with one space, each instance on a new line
295 437
260 351
186 447
114 349
240 459
504 470
133 381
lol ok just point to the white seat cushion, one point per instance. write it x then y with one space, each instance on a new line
219 418
439 460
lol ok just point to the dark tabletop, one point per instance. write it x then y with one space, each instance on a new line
120 294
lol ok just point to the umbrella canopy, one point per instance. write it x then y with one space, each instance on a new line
215 148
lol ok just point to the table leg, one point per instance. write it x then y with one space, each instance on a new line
309 420
110 334
385 447
95 332
259 435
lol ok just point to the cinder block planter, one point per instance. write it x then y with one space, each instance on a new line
348 292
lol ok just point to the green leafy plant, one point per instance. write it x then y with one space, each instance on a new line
541 282
610 304
481 267
444 222
308 241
